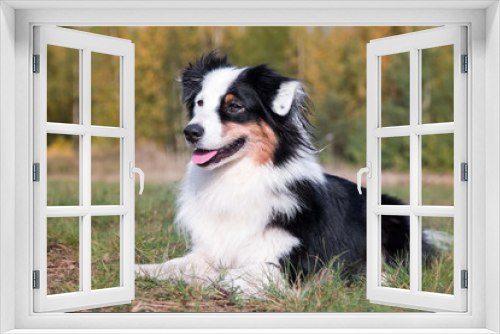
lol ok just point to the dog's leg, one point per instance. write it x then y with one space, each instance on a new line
253 280
191 268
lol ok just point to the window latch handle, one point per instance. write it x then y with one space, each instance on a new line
132 171
368 171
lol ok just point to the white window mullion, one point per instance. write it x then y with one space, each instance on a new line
81 218
434 211
392 210
460 143
85 182
40 156
67 211
127 121
415 238
67 129
421 129
86 254
80 130
373 183
109 210
104 131
433 129
123 164
422 210
80 211
418 164
392 131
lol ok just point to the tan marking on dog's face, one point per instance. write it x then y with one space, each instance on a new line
261 140
229 97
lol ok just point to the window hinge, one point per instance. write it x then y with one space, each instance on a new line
36 172
464 171
465 279
36 63
36 279
465 64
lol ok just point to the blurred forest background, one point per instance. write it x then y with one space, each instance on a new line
331 61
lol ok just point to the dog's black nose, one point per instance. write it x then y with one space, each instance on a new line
193 132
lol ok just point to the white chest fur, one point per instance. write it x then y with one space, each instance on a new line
226 211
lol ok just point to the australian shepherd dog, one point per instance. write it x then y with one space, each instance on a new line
255 202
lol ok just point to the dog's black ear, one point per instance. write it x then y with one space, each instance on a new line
277 91
192 76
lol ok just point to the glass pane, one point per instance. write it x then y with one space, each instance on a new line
437 169
395 167
395 89
105 171
105 89
437 254
437 84
63 255
395 252
63 84
105 252
63 170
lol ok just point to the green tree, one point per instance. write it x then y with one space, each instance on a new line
331 61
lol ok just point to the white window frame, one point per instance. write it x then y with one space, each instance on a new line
413 44
483 20
123 50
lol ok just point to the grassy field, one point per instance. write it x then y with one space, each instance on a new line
157 240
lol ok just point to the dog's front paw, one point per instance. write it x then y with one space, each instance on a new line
138 270
169 271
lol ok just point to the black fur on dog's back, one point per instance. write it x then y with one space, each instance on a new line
332 223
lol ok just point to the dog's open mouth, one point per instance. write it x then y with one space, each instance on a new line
206 157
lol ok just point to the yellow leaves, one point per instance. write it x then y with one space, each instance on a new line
330 60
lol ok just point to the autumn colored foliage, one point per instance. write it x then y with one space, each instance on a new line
331 61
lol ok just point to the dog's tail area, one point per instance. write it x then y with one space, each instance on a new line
442 241
396 237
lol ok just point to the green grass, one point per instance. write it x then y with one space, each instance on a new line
431 195
157 240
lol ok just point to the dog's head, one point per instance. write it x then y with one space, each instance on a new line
250 112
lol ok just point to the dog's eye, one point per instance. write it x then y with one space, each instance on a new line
200 103
234 107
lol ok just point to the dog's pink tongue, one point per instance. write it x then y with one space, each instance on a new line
201 156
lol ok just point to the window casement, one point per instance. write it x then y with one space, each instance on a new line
416 44
85 133
482 236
